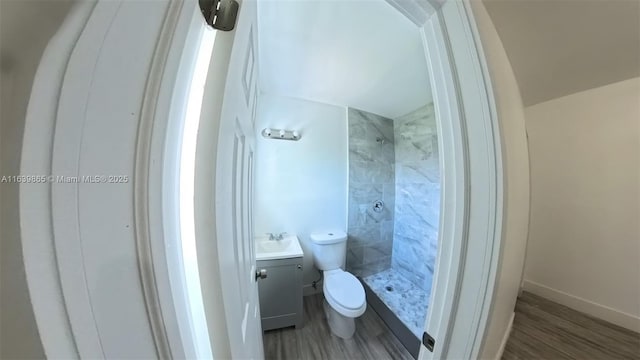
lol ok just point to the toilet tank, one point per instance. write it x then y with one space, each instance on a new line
329 249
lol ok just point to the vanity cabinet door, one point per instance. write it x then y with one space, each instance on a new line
281 293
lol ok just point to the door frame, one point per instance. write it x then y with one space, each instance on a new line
55 263
470 236
64 313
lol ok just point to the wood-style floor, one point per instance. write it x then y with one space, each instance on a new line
372 340
543 329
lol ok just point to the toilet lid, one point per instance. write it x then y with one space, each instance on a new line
345 289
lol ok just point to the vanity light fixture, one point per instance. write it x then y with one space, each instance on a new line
280 134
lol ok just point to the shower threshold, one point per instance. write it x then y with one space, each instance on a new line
400 304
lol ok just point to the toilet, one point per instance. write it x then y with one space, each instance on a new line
344 295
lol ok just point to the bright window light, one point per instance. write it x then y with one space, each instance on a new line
187 179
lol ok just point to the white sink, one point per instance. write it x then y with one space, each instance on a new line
288 247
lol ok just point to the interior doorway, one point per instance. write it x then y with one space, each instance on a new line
70 98
352 79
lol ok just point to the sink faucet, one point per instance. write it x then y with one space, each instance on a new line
277 237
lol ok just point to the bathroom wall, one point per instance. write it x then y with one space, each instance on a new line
301 186
417 187
584 237
371 178
515 162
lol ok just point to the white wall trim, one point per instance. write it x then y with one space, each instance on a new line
505 337
416 11
39 251
472 206
147 188
453 218
61 222
183 305
589 307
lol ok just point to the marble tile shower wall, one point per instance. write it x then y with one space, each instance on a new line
417 202
371 178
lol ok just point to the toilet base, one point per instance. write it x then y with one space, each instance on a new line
340 325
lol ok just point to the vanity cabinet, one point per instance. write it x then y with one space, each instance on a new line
281 293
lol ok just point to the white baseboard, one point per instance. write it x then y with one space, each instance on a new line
505 338
603 312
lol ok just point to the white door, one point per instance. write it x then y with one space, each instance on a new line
234 190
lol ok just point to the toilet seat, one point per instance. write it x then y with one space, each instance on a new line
344 293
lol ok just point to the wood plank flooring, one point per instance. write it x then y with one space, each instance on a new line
372 340
543 329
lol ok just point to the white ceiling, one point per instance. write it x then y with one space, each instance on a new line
561 47
362 54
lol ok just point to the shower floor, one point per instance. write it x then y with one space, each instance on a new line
401 296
